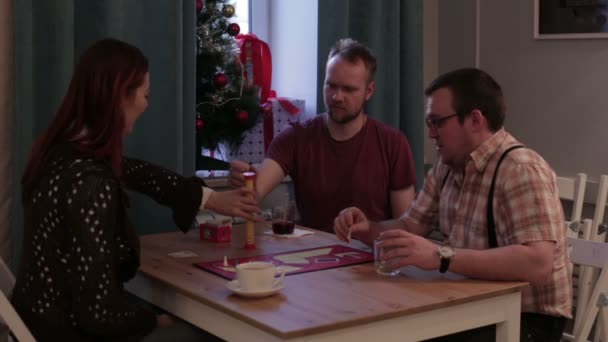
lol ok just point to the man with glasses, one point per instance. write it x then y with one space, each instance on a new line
494 201
343 157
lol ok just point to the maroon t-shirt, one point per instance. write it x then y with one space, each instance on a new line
330 175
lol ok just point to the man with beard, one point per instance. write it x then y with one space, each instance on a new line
343 157
495 202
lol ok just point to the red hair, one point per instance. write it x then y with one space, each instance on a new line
90 116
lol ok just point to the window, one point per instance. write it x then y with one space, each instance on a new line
241 15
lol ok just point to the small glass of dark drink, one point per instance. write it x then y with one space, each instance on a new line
282 227
283 217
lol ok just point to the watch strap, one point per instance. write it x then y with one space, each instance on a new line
444 264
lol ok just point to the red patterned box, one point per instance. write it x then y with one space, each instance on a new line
216 230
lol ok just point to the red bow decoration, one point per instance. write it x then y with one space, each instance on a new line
257 61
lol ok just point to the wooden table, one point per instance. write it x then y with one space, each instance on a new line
351 303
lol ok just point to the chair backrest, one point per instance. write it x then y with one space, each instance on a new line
600 208
7 280
574 190
582 276
8 315
590 255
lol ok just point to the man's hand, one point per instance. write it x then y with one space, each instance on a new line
240 202
164 321
408 249
236 173
350 222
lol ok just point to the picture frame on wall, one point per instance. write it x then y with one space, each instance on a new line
570 19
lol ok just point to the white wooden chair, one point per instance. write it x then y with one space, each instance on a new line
592 230
600 208
574 191
583 279
590 254
8 315
600 228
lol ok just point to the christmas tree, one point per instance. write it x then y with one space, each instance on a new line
225 106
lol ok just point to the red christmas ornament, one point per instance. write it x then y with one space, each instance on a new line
200 124
242 116
233 29
199 5
220 80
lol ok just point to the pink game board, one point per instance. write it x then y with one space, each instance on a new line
293 262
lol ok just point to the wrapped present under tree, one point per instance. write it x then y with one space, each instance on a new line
279 113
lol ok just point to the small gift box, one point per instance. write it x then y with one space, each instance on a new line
282 111
285 110
216 230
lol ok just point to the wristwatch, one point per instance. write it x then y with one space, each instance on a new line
446 252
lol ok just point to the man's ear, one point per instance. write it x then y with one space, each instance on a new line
371 87
478 120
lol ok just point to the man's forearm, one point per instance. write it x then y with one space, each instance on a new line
532 263
269 175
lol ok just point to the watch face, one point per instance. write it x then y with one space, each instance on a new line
446 251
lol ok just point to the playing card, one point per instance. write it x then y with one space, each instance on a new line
182 254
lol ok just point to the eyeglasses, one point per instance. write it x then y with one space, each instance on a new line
438 122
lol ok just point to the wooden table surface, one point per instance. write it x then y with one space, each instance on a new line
310 303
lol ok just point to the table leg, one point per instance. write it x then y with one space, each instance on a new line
508 330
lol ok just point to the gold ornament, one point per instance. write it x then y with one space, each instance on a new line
228 11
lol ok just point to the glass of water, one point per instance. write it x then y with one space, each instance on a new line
383 267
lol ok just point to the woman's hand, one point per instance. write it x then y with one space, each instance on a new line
237 168
240 202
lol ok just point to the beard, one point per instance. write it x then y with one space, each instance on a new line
350 116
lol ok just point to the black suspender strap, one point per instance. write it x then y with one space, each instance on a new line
490 212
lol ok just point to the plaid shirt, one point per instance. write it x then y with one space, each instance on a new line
526 208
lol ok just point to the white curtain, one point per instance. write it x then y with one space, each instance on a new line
6 124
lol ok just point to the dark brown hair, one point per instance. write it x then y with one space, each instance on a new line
352 51
473 89
90 116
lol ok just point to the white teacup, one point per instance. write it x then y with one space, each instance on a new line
257 276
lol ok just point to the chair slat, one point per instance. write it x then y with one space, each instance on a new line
8 315
589 255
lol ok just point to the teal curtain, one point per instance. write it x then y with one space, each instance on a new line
393 30
49 38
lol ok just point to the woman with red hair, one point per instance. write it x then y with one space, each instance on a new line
79 245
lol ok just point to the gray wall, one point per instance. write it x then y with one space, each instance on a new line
556 89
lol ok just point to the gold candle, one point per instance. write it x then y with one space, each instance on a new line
249 225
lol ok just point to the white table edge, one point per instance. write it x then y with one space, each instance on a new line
503 310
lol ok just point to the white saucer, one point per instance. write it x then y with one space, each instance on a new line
235 287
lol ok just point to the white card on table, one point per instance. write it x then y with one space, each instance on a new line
182 254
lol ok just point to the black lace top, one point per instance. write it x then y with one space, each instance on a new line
80 246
